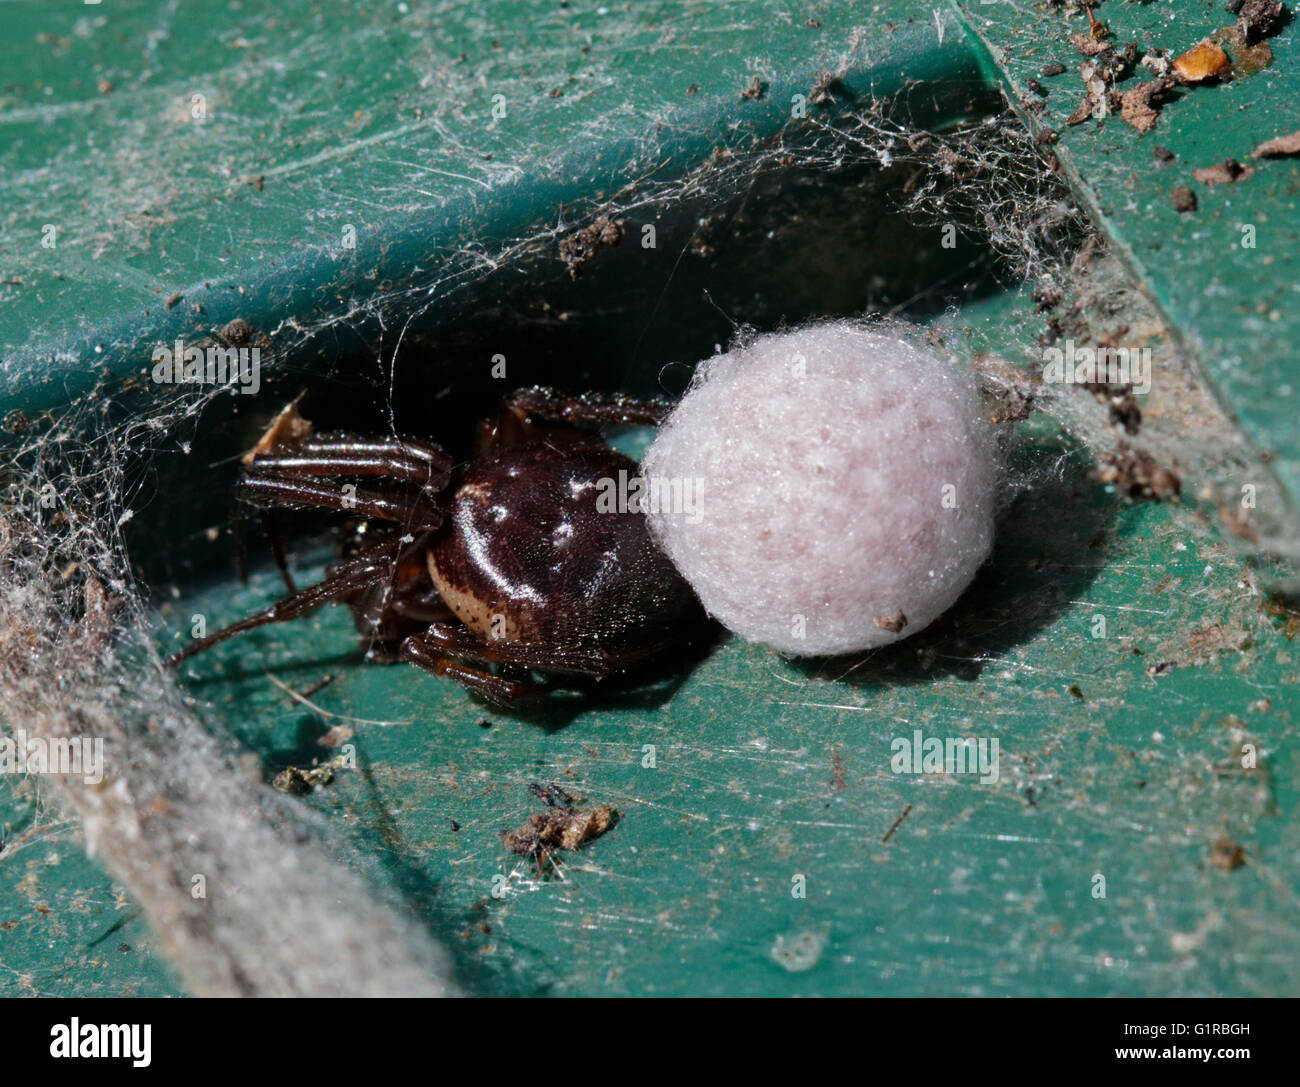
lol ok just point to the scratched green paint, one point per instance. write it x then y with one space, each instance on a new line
764 770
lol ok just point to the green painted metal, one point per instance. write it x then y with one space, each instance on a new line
763 770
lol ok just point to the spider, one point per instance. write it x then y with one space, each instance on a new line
493 572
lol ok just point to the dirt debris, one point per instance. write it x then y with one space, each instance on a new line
1121 402
1009 392
1137 475
1090 46
577 249
839 777
1182 198
1104 67
824 90
1276 606
1203 61
1227 855
893 623
561 826
1278 147
1140 106
1223 173
1230 53
1257 19
1205 642
299 780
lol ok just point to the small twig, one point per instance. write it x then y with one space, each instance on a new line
318 686
889 833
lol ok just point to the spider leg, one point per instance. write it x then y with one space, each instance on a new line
362 570
495 688
271 526
307 473
266 490
283 478
590 408
453 639
422 611
407 461
518 419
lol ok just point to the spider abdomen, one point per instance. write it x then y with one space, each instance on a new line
529 554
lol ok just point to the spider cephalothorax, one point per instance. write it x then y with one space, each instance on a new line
495 571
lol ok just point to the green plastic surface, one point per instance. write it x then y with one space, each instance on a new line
1227 277
764 770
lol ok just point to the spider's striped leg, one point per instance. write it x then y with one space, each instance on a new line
362 570
502 690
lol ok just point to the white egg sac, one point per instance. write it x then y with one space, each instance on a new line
826 490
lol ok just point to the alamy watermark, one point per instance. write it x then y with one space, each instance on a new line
25 754
1073 365
636 494
920 754
177 364
116 1041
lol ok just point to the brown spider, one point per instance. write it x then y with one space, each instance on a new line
490 570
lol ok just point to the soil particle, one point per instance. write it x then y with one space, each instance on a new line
1182 198
1257 19
1227 855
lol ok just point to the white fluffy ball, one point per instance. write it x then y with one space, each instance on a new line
826 490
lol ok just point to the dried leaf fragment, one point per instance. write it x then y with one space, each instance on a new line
1223 173
285 431
1247 58
559 827
1141 105
893 623
1203 61
1278 147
